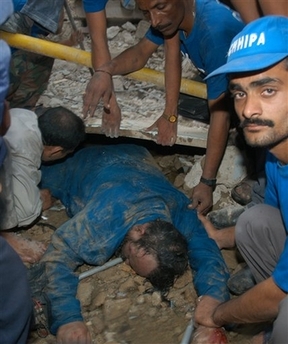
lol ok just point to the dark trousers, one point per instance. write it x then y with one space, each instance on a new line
16 308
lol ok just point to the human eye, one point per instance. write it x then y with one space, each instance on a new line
237 95
161 7
269 91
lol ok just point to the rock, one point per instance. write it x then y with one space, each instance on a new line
156 299
84 292
128 285
142 28
114 309
129 27
100 298
112 31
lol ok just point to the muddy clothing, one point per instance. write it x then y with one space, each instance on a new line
21 195
208 43
107 190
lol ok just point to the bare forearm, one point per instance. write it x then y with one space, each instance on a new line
132 59
172 73
217 139
97 29
259 304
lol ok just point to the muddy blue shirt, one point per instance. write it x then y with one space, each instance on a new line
208 43
276 195
107 190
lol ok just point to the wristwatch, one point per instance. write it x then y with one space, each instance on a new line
170 118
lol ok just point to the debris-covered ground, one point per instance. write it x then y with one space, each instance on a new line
116 304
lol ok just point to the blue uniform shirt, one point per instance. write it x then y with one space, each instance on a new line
208 43
276 195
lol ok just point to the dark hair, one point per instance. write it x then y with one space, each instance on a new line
169 247
61 127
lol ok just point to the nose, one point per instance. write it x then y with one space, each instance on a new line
154 19
252 107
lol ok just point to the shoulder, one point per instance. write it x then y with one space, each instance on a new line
24 133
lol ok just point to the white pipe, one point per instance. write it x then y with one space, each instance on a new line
100 268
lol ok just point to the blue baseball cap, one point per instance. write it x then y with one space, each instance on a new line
262 43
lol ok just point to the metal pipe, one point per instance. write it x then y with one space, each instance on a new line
74 27
188 333
100 268
59 51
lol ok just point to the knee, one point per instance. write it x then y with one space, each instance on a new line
251 224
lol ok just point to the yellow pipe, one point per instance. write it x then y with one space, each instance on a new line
59 51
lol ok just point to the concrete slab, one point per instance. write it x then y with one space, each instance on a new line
115 13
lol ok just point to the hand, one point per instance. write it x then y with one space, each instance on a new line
99 86
202 198
73 333
204 335
205 308
167 132
209 227
47 199
111 119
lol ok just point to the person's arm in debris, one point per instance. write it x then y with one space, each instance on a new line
111 116
70 247
167 130
210 273
210 276
101 84
202 196
61 260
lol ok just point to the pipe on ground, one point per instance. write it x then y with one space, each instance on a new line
70 54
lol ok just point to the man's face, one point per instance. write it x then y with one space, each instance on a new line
261 103
164 15
136 257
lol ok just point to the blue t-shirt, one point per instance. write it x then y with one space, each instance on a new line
94 5
208 43
276 195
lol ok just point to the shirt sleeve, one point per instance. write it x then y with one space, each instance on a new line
94 5
210 273
82 239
